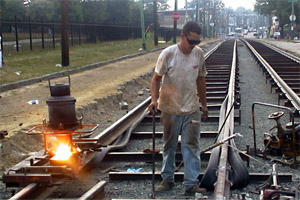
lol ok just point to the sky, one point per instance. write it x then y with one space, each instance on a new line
234 4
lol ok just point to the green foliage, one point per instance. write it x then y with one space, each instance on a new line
94 11
162 5
280 8
12 8
134 15
75 11
41 10
265 7
119 12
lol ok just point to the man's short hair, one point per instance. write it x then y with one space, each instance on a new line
191 26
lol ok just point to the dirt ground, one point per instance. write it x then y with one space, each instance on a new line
87 87
90 88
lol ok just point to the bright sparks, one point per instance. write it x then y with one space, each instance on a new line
62 152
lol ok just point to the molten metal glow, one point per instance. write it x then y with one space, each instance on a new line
62 152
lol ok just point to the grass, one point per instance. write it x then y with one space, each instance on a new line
39 62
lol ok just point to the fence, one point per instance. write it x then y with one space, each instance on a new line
18 35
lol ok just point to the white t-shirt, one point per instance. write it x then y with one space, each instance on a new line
178 93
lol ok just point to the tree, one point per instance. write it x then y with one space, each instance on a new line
281 9
265 7
12 8
94 11
41 10
75 11
134 15
161 4
118 12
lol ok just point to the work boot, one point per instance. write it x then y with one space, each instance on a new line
195 189
164 186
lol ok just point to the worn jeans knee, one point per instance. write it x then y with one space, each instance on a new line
171 130
189 127
190 148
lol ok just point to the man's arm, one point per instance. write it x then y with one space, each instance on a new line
154 89
201 87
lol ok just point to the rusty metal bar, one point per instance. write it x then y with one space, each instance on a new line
119 127
96 192
222 187
25 192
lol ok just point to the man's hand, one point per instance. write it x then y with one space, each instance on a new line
204 112
152 107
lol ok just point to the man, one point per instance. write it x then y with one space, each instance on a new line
182 69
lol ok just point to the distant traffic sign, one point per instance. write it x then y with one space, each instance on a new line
175 16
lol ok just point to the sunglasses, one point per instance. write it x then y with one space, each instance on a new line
192 42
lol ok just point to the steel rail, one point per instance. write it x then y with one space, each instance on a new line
119 127
222 187
208 54
25 191
288 55
286 90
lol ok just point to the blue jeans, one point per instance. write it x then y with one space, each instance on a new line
189 127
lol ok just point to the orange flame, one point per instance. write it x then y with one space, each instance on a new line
63 152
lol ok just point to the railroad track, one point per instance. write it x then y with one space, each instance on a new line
281 69
224 167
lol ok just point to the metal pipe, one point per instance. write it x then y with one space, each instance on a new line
16 32
153 156
175 24
64 33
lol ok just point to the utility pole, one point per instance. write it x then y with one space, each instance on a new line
65 61
155 22
1 43
292 18
175 24
208 20
142 24
299 19
197 11
186 12
214 20
292 27
204 22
